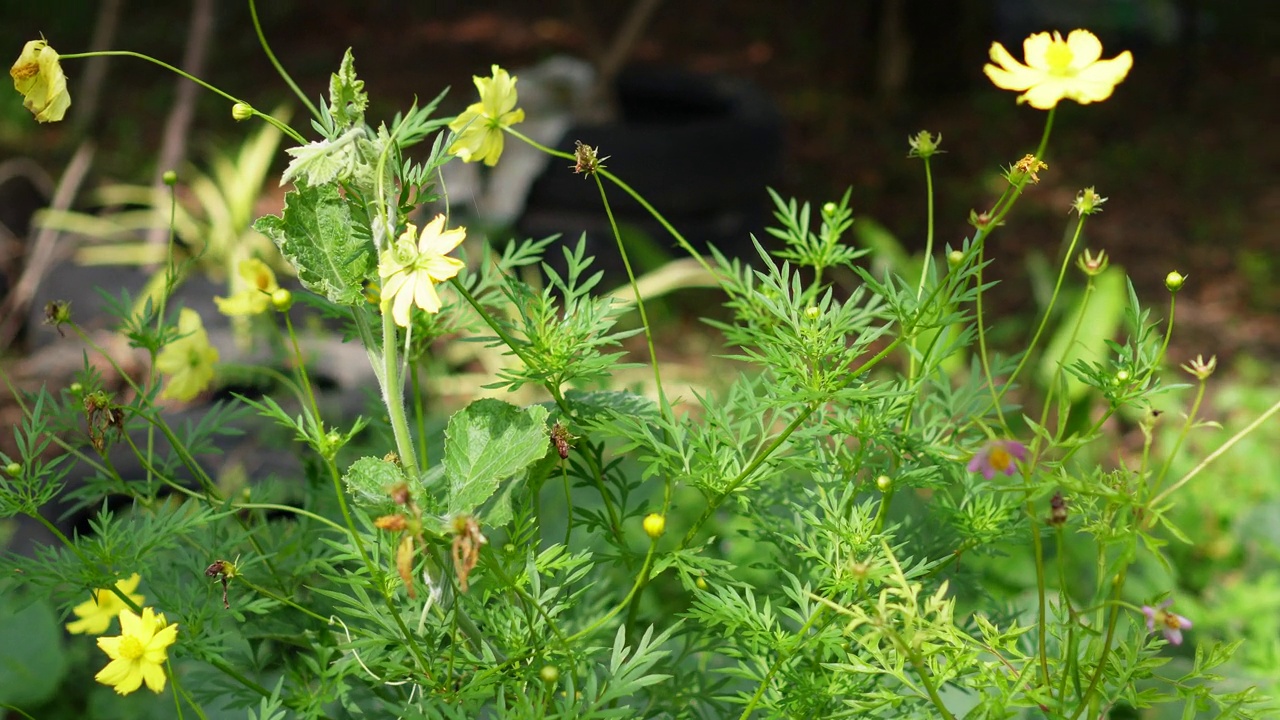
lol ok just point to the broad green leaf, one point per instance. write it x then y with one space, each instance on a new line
487 442
1102 317
369 479
318 237
32 659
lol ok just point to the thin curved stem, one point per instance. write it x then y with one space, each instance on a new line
266 48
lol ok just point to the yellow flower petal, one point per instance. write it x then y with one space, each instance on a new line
480 127
1085 48
139 653
187 361
96 613
38 76
1056 68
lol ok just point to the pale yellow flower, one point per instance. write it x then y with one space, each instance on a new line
1058 69
187 361
480 126
139 653
410 268
254 296
38 76
96 613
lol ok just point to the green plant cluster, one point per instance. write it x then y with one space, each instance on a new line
874 518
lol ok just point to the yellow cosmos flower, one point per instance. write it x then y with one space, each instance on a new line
97 612
1058 69
254 296
38 76
410 268
480 125
187 361
139 653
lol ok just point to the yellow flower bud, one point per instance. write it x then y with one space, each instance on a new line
241 111
654 525
1174 280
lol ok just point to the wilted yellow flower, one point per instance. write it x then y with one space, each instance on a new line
410 268
188 361
480 126
38 76
254 296
1058 69
139 653
96 613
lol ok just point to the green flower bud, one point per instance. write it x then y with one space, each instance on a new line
170 178
281 299
76 388
812 312
241 111
1174 280
829 209
1088 202
550 674
13 469
1092 265
954 258
884 482
924 145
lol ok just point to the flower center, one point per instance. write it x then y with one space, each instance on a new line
1059 57
131 648
1000 459
1170 620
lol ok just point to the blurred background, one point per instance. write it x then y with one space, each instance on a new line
1185 150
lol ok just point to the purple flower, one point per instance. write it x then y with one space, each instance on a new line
1171 624
998 456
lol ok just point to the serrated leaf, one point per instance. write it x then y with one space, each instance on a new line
487 442
369 478
322 162
317 235
347 98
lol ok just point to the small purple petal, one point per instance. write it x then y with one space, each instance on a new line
1173 635
1016 449
1150 612
978 460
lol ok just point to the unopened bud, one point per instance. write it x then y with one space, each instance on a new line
1174 280
241 111
924 145
884 482
281 299
654 525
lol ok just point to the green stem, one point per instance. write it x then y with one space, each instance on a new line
680 239
1048 312
800 640
644 318
266 48
1155 501
129 53
393 397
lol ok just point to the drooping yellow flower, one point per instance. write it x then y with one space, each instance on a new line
1058 69
139 653
96 613
187 361
38 76
254 296
480 126
410 268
